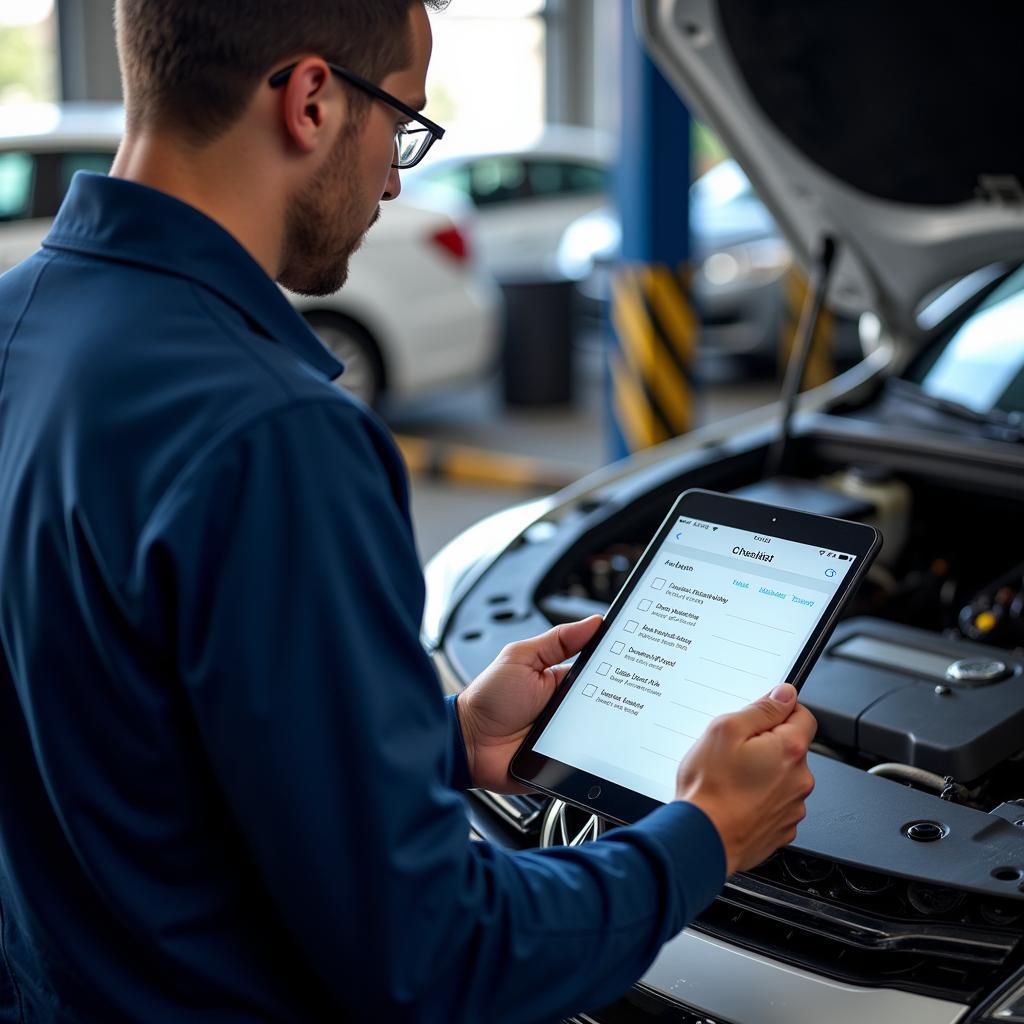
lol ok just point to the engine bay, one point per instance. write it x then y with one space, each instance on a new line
908 871
924 681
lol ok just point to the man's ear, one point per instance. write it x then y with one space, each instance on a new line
310 106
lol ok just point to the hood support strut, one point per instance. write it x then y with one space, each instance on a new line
821 274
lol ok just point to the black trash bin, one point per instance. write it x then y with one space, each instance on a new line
537 362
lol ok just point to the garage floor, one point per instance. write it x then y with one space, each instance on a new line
573 438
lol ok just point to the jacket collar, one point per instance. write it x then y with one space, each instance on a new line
122 220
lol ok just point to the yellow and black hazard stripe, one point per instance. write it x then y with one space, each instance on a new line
467 464
820 362
652 370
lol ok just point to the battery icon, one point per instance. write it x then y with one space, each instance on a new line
845 558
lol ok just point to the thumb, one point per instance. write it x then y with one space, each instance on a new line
574 636
555 645
771 710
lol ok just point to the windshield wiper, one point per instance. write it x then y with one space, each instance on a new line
1007 426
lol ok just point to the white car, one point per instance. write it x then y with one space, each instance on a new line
527 195
418 311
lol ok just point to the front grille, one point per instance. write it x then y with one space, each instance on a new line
523 813
867 928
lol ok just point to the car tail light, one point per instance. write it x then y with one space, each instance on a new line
453 241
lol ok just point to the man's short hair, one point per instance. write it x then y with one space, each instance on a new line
193 65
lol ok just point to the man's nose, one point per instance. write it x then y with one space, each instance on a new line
393 188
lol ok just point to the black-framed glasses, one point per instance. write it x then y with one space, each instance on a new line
411 144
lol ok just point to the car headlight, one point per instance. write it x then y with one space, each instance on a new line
759 261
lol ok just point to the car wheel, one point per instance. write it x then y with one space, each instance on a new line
355 347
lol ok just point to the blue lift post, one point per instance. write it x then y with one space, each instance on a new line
653 334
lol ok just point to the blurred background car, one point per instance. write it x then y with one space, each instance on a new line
741 263
526 195
544 214
419 311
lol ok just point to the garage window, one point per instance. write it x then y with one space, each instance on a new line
487 77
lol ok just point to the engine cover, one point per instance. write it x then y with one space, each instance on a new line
902 694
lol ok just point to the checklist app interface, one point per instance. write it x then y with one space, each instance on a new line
718 619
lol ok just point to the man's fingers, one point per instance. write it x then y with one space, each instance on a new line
801 726
770 711
555 645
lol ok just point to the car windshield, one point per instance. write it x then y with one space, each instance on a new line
980 365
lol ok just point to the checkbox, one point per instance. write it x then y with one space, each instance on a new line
604 668
631 626
645 606
658 584
618 648
589 691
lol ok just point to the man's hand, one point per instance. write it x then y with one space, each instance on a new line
749 775
497 709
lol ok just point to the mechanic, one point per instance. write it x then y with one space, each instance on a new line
229 782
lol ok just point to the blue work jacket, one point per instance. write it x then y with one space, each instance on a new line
229 783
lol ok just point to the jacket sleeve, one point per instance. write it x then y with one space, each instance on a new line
296 599
459 777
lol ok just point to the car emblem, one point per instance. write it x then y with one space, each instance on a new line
565 825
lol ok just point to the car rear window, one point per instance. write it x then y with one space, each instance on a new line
497 180
563 178
17 181
54 172
69 163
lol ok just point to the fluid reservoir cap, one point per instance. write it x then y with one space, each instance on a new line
985 622
925 831
977 670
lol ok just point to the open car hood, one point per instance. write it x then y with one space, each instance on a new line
892 127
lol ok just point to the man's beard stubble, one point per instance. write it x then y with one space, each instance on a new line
322 228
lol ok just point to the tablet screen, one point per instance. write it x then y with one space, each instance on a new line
719 617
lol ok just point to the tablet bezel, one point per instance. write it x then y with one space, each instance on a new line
623 805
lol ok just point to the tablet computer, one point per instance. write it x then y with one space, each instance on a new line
730 598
